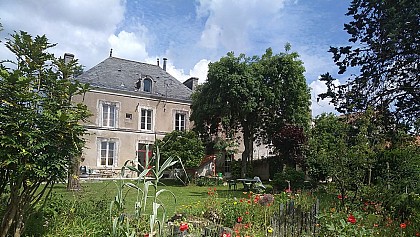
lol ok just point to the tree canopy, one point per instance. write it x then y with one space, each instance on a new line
252 95
385 46
40 133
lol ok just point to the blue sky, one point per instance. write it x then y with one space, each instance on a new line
189 33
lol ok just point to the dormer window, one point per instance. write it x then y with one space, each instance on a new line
147 85
144 84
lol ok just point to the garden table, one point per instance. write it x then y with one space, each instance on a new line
248 183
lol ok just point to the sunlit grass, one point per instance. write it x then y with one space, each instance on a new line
185 195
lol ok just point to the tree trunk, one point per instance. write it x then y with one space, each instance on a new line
247 153
73 183
10 213
19 224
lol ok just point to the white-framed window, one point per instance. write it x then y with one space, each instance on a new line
108 114
228 162
180 121
146 119
107 148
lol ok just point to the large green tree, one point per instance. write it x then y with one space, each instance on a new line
385 46
40 133
252 95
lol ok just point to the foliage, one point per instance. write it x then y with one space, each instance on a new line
249 215
291 142
385 48
366 219
251 95
124 224
396 174
207 181
365 164
40 131
76 217
291 176
183 144
343 150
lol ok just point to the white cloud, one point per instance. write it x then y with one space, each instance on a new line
128 45
321 106
200 70
231 23
78 26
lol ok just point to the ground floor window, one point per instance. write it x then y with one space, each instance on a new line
228 161
108 152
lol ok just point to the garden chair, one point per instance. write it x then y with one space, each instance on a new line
232 184
258 184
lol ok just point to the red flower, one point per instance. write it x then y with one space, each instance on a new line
183 227
225 234
417 234
239 219
351 219
341 197
403 225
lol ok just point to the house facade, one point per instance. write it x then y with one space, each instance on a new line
132 105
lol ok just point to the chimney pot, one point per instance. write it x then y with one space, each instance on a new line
164 63
158 62
68 57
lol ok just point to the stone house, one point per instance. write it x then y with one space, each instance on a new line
133 104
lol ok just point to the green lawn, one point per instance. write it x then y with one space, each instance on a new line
185 195
86 212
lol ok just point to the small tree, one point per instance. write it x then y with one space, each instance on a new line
40 131
183 144
291 142
340 150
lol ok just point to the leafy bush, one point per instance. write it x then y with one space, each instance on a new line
206 181
296 179
62 217
183 144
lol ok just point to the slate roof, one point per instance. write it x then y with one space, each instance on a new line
121 75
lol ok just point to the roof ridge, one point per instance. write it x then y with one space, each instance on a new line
130 60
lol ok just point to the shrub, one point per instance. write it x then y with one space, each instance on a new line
62 217
296 178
